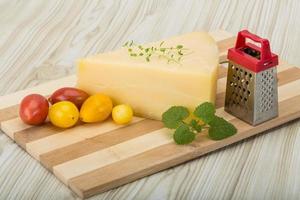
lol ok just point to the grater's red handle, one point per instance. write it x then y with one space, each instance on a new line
265 45
243 55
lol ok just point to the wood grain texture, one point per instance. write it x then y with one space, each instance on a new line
97 143
39 40
97 179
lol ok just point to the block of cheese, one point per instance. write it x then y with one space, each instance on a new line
153 87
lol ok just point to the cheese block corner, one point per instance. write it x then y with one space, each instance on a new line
152 87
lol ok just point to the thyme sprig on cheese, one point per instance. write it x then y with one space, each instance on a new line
171 54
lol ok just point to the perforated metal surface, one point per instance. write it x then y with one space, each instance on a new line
266 90
251 96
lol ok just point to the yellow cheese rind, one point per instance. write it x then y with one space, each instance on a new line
152 87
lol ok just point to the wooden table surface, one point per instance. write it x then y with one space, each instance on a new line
39 41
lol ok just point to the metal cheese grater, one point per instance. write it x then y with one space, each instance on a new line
251 90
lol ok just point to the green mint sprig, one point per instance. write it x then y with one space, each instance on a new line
186 132
171 54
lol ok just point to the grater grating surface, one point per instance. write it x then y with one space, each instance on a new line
266 95
251 96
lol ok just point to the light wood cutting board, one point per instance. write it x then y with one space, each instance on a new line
93 158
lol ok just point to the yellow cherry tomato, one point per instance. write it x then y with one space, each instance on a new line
63 114
122 114
96 108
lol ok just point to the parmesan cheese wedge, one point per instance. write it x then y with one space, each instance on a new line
153 87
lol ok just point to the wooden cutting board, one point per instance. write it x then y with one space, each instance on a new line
93 158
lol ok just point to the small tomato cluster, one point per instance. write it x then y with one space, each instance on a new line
69 105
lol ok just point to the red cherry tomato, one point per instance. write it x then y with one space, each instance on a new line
74 95
34 109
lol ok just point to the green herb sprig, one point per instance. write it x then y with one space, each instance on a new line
186 131
171 54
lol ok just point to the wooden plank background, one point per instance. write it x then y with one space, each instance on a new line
39 41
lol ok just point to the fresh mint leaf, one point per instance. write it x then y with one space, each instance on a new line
183 134
206 112
195 125
186 130
174 116
220 129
